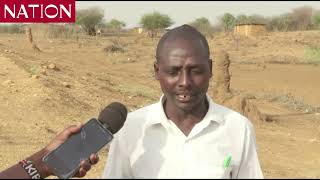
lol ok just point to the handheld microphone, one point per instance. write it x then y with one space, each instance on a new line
94 135
113 116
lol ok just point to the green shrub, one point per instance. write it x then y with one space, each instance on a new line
312 54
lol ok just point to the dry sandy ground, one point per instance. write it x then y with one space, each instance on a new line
270 68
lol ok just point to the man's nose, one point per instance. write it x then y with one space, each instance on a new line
184 79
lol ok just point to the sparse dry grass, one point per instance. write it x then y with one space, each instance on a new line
139 90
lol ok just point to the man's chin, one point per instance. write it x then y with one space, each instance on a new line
186 107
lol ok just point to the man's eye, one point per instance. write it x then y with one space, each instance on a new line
172 72
196 71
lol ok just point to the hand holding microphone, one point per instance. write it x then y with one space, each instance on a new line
85 165
64 160
73 151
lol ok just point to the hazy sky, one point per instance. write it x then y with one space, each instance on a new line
184 12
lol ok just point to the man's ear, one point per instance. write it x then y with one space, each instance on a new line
156 70
210 67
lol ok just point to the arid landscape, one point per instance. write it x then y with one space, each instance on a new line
72 79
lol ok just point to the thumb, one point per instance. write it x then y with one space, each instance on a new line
71 130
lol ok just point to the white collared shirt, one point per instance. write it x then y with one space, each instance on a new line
151 146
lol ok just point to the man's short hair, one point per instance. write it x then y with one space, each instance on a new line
186 32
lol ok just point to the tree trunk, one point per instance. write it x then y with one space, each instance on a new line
30 39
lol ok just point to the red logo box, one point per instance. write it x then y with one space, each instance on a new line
37 11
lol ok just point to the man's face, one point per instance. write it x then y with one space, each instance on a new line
183 71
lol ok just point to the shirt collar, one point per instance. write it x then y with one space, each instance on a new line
158 116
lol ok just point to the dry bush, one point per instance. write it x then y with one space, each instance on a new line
54 31
65 32
115 46
12 29
301 18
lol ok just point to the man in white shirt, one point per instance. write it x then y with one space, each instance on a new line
185 134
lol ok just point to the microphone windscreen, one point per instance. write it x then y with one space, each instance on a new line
113 116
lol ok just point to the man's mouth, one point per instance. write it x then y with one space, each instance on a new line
184 97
